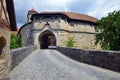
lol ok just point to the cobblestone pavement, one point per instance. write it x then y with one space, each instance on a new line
52 65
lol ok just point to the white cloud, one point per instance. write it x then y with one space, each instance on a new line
96 8
103 7
22 7
52 5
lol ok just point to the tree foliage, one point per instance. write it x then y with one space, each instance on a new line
16 41
108 31
70 42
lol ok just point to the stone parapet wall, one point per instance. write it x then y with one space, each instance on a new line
17 55
105 59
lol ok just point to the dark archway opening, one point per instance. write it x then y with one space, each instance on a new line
47 39
2 45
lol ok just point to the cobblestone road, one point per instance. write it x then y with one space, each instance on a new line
52 65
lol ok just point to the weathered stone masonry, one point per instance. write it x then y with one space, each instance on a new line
17 55
105 59
62 28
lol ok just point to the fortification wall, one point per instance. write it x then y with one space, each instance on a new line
17 55
27 35
105 59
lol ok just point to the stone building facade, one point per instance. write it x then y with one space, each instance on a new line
7 24
57 28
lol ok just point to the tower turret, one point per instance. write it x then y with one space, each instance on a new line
30 13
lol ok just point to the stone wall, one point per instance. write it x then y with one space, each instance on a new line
17 55
81 40
27 36
105 59
62 24
4 53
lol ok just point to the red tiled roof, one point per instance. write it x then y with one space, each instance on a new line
75 16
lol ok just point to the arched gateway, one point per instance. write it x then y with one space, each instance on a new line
46 39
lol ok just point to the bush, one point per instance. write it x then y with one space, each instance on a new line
70 42
16 41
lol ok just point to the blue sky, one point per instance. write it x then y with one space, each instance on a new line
95 8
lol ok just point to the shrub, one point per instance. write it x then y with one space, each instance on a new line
16 41
70 42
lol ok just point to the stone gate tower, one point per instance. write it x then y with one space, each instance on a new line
57 28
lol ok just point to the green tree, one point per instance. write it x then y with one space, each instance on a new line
108 31
16 41
70 42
